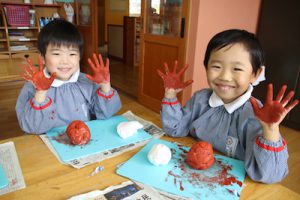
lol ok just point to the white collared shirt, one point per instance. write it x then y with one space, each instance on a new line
215 101
57 82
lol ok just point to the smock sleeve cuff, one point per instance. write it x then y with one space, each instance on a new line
107 95
170 102
270 146
40 106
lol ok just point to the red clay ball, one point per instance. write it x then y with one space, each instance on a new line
78 133
200 156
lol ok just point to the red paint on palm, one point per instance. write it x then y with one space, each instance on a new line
274 111
173 79
100 71
37 77
200 156
78 133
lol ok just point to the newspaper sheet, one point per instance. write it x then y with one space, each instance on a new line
128 191
149 127
10 163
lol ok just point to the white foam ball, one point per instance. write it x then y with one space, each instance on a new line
159 154
127 129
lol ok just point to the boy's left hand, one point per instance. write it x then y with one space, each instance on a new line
100 71
274 111
172 79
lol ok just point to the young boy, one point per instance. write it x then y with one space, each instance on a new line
59 93
226 115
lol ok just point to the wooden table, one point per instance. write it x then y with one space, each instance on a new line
47 178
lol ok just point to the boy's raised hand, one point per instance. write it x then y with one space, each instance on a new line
37 77
274 111
100 71
172 79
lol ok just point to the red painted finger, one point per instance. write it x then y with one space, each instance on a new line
96 60
166 68
107 63
175 67
288 97
160 74
26 77
269 97
291 105
100 60
31 65
28 70
183 69
187 83
90 77
92 65
281 93
255 106
53 76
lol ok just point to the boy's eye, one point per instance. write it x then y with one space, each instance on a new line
215 67
237 69
54 53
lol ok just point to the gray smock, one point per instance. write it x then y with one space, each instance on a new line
77 100
231 129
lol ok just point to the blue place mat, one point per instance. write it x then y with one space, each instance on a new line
104 137
223 180
3 178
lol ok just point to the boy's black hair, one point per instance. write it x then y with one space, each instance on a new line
59 32
233 36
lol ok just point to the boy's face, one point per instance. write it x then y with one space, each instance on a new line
63 60
229 72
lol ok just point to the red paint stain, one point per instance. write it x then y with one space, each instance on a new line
181 186
220 177
52 114
63 139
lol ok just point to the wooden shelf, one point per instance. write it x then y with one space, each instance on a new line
21 28
32 4
26 51
23 40
29 34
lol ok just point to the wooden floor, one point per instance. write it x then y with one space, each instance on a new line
124 77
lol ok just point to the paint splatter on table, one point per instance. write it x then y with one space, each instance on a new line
223 180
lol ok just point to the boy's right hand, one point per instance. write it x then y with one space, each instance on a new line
172 82
37 77
100 71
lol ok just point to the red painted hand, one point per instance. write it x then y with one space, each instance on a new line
37 77
274 111
100 72
171 79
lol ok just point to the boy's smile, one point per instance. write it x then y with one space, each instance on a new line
63 60
229 72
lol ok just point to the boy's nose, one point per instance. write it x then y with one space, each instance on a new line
64 59
225 75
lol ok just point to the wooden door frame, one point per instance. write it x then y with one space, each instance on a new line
147 101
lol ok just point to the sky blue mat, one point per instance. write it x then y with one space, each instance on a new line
3 178
104 137
223 180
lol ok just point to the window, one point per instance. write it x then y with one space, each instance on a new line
135 8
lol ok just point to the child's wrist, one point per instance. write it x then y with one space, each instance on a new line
271 133
105 87
40 96
170 93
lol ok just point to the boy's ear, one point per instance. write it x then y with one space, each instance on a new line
259 76
259 71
